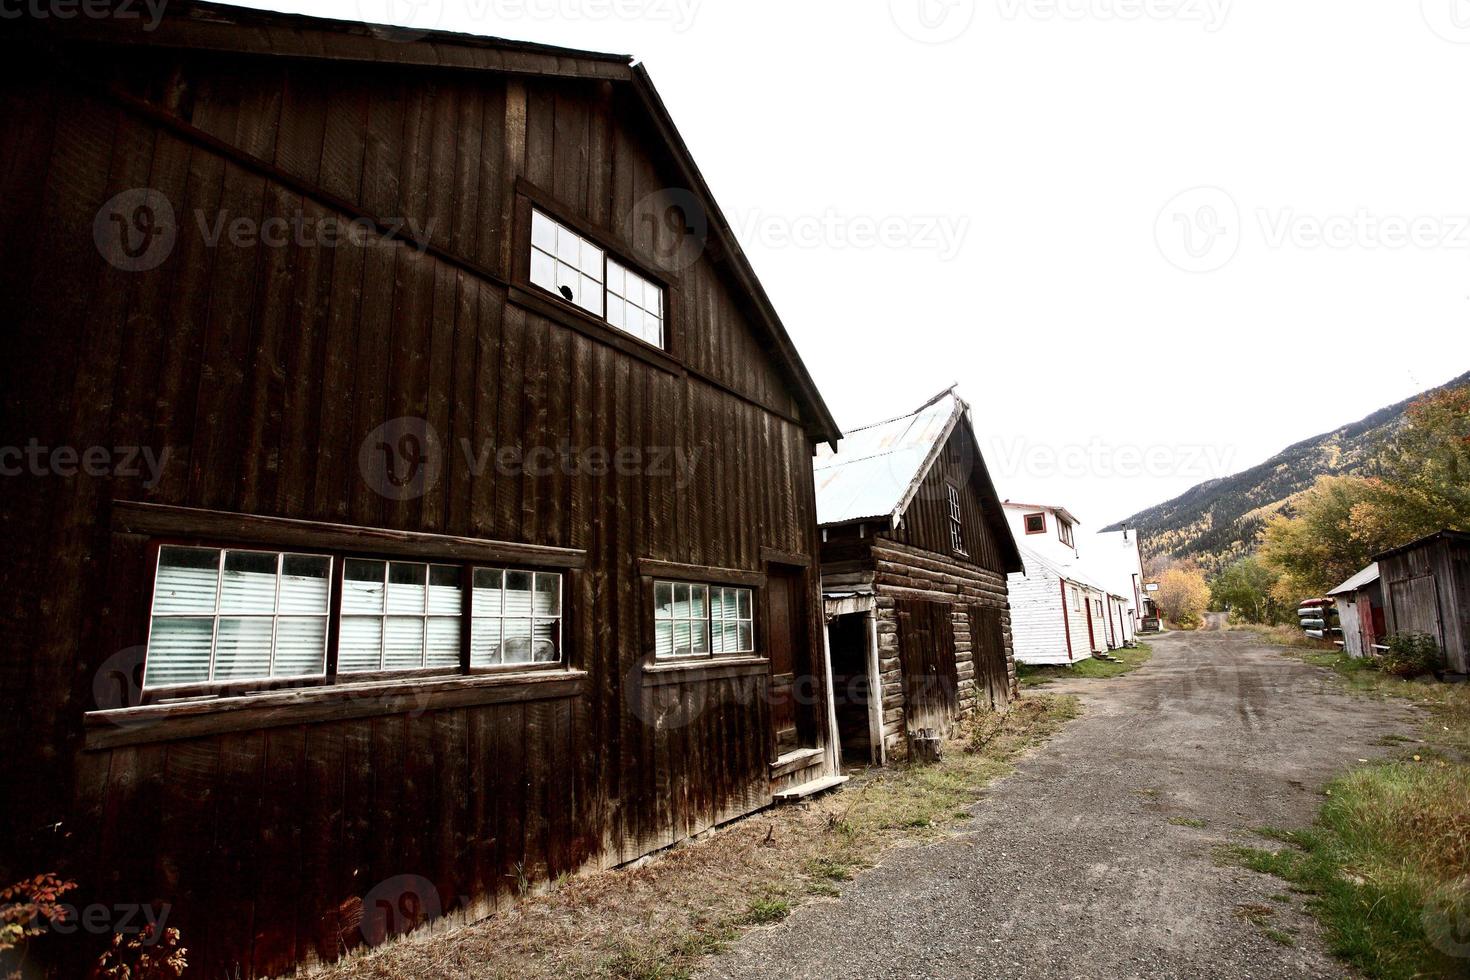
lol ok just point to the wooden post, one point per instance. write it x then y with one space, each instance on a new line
834 738
875 691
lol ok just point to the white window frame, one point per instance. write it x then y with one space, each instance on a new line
425 616
612 279
218 613
713 650
956 521
477 618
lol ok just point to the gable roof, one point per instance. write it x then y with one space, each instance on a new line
1363 579
876 471
210 27
1448 535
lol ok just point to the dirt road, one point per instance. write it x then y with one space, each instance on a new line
1072 867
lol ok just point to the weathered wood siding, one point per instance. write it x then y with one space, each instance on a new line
1427 589
926 523
260 371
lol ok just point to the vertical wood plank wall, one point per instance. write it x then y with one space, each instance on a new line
260 371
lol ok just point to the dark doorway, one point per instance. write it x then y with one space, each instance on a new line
794 685
850 685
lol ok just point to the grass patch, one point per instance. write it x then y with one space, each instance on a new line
1194 822
1284 636
1031 675
1386 868
658 921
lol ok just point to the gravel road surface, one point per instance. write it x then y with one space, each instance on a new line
1071 868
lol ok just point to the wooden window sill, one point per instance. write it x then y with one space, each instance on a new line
118 727
530 297
687 671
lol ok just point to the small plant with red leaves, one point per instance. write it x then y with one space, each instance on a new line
25 909
143 956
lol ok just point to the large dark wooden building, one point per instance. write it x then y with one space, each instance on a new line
409 488
915 554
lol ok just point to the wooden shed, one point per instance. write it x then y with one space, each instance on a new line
1360 611
1426 589
418 497
915 552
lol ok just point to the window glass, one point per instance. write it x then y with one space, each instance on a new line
517 618
565 263
692 620
231 615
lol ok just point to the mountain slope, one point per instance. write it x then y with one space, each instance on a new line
1219 520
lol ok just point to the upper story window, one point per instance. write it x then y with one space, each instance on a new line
1035 523
956 521
569 265
696 620
223 615
1064 531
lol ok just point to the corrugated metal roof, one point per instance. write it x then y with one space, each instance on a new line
1364 578
1068 571
877 467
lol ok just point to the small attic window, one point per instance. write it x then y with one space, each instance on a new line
570 266
1035 523
956 521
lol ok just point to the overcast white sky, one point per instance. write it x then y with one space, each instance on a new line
1033 167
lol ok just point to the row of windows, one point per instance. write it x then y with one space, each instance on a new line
226 615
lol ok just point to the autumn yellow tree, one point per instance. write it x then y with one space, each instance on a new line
1183 595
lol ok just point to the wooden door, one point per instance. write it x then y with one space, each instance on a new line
1416 606
988 641
926 653
785 641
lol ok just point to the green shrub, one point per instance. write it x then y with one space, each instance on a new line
1411 655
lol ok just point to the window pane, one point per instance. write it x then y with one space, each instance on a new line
746 640
615 314
545 641
548 594
681 601
698 601
567 278
362 586
731 643
742 600
178 651
681 637
406 587
717 637
301 647
359 644
633 320
446 598
485 643
403 646
517 646
543 270
305 583
517 594
187 579
243 648
543 232
488 584
589 295
568 245
717 603
443 650
663 600
249 582
615 277
700 638
663 639
591 265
